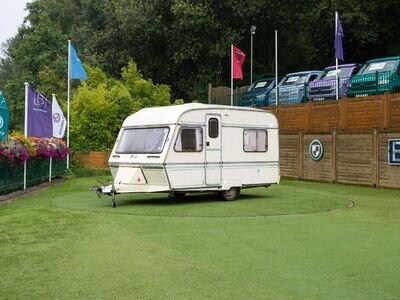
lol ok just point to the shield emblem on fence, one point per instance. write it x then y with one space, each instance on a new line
316 150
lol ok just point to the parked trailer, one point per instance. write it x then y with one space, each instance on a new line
192 148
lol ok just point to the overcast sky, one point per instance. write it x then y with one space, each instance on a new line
12 13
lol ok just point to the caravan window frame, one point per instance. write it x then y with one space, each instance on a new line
266 140
142 128
179 134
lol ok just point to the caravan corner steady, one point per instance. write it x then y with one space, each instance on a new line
193 148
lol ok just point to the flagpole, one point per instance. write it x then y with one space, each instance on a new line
26 126
276 67
68 96
51 159
337 61
231 74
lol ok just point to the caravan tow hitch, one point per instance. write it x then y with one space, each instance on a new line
102 190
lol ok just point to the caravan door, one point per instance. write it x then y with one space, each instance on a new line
213 153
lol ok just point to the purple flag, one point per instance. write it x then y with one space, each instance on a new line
339 34
40 121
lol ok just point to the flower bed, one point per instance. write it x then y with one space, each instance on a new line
20 148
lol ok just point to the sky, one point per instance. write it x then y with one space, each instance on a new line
12 13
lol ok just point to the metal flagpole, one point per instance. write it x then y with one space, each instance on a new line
276 68
231 74
51 159
26 126
68 95
251 60
337 62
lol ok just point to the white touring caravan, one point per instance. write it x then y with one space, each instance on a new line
194 147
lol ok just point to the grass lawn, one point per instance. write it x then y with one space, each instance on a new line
298 240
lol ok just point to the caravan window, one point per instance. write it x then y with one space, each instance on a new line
142 140
255 140
189 140
213 128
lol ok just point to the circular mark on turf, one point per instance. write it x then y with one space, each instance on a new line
257 202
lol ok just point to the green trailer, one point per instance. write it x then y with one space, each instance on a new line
377 76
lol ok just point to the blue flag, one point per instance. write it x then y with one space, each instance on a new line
339 34
76 68
40 119
4 118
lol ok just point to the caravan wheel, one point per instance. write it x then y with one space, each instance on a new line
231 194
176 195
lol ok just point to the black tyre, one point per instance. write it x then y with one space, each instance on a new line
231 194
176 195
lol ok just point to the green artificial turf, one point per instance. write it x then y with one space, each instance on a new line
297 240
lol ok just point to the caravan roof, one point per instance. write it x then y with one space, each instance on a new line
171 114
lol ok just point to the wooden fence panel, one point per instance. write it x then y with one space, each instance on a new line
365 114
94 159
394 111
318 170
389 175
355 158
325 116
289 155
380 111
293 117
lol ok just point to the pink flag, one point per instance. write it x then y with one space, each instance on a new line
237 60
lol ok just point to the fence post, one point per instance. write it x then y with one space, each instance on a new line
309 121
334 156
386 103
343 112
301 150
375 158
50 163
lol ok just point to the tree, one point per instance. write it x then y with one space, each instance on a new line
101 104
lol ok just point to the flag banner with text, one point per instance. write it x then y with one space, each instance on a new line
40 123
59 122
4 118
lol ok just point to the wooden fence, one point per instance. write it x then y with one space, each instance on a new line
380 111
354 133
349 157
221 94
93 159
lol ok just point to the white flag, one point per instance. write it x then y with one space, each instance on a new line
59 122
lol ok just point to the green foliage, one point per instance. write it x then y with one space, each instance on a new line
101 104
178 102
186 44
92 117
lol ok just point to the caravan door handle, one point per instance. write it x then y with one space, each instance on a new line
207 143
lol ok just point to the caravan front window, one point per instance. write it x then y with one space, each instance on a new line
142 140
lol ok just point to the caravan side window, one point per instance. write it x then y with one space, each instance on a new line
190 139
213 128
255 140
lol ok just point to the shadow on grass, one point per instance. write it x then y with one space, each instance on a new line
186 200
